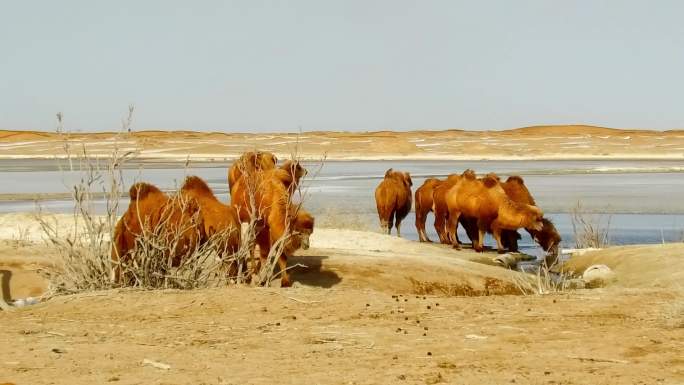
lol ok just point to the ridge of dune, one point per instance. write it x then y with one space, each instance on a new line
554 142
535 129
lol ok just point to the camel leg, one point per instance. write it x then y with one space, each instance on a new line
496 231
284 276
453 219
390 223
439 228
511 238
263 240
383 227
471 229
452 229
478 243
419 219
398 226
423 233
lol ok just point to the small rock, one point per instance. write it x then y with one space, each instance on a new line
155 364
475 337
598 275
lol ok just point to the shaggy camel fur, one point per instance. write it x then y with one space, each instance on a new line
173 220
548 237
267 196
290 173
423 204
393 199
249 163
221 222
441 211
486 200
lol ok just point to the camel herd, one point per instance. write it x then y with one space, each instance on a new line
260 194
480 205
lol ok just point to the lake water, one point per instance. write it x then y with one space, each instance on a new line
642 199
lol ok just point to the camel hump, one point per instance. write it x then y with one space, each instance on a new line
141 189
516 178
407 179
274 159
490 181
196 183
493 175
388 173
469 174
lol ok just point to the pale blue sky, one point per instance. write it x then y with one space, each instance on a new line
343 65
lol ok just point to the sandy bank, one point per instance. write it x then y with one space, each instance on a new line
367 309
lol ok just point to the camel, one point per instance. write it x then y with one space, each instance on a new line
486 200
423 205
440 209
393 199
171 221
548 237
265 195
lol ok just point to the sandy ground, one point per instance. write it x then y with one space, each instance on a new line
367 309
540 142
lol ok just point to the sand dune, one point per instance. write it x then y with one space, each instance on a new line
539 142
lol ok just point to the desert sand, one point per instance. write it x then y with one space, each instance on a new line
539 142
367 309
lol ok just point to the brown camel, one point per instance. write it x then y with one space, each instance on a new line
393 199
486 200
423 199
173 222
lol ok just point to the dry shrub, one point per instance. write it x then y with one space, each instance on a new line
84 249
151 264
590 230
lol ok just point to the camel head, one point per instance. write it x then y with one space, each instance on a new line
493 176
547 237
294 169
302 228
469 174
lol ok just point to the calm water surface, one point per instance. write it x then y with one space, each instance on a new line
642 199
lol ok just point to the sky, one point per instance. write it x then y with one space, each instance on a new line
254 65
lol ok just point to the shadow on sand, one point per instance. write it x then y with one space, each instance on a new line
314 274
5 276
